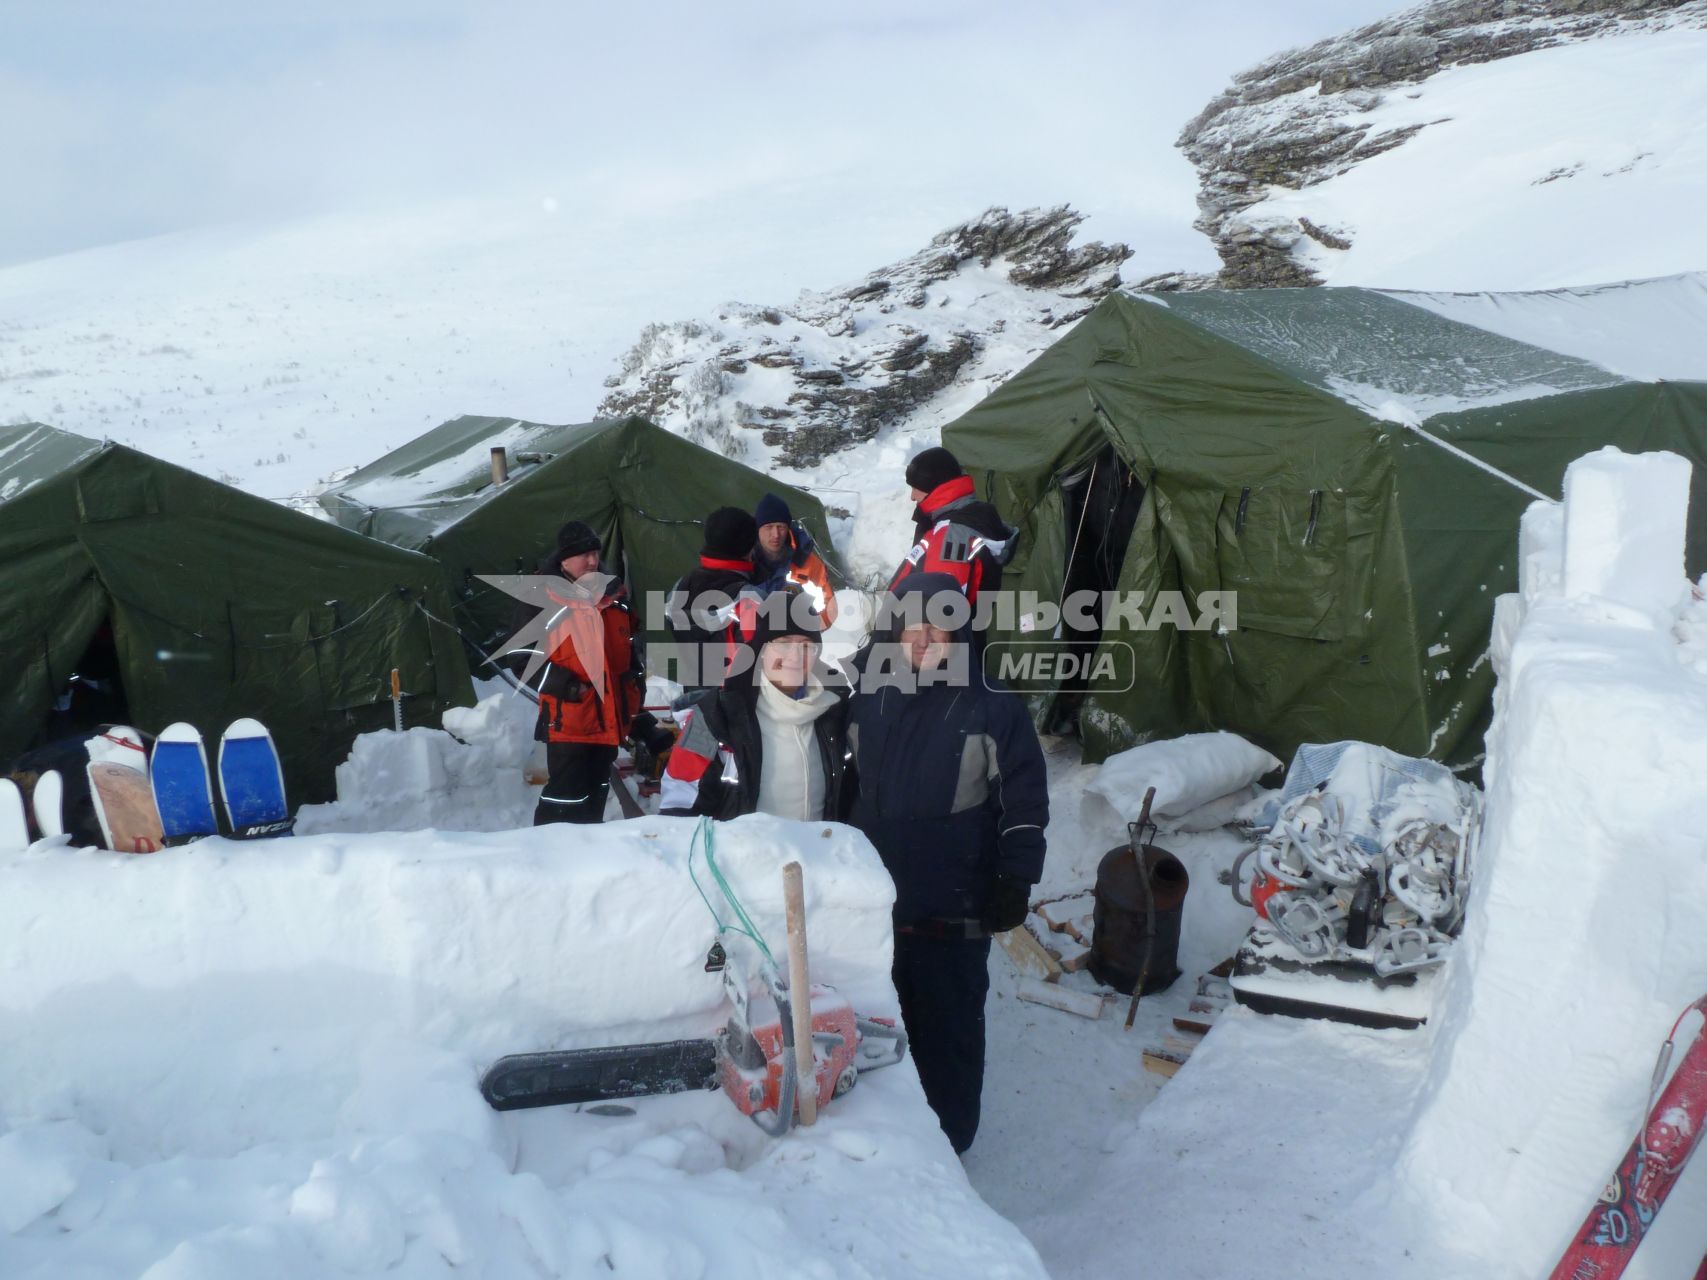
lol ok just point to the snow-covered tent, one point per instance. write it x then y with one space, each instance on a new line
208 604
1318 451
644 490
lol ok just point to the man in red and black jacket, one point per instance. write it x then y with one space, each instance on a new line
591 686
954 532
712 614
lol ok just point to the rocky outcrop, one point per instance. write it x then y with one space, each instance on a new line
835 368
1301 117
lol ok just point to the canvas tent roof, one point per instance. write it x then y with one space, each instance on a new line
1382 354
221 605
1650 330
643 489
1289 444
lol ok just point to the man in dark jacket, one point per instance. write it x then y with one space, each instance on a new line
711 610
953 531
953 794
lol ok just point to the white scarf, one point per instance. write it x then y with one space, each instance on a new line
791 774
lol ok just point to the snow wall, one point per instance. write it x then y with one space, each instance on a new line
248 974
1587 930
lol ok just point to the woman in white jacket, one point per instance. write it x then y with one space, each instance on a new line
774 743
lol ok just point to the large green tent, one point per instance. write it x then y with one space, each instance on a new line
642 489
1297 447
219 604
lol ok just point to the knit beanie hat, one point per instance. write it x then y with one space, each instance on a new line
771 510
730 534
933 467
788 612
576 538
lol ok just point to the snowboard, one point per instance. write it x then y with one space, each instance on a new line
14 830
1608 1238
118 785
251 782
48 801
182 791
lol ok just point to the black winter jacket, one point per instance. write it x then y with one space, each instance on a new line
715 766
707 644
952 792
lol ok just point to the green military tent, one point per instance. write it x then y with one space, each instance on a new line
1315 452
642 489
216 604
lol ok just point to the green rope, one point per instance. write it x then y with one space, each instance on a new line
706 833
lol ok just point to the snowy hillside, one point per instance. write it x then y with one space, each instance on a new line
1465 146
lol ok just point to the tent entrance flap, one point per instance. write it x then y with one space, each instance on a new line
1100 500
93 694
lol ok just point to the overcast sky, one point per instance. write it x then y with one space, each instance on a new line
128 120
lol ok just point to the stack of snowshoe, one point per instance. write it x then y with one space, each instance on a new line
1395 909
1355 911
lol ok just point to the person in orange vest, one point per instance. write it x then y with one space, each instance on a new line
591 686
786 553
954 532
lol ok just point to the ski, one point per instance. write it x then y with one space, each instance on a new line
1602 1247
118 786
251 782
182 791
14 830
48 802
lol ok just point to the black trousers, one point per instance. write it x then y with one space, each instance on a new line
579 783
942 983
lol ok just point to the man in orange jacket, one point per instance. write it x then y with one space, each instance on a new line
591 687
786 553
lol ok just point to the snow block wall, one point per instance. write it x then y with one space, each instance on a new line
209 997
261 1060
1587 930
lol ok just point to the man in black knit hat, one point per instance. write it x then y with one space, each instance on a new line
713 607
591 687
954 532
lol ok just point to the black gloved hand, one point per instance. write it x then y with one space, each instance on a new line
1009 904
650 743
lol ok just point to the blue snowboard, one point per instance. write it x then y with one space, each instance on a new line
252 783
182 791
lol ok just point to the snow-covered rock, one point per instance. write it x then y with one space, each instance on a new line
798 383
1463 144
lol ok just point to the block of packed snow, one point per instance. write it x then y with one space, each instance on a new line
1625 523
271 963
1586 935
1541 551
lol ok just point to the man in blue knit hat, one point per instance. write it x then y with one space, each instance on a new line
786 553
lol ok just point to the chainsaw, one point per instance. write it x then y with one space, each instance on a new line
752 1058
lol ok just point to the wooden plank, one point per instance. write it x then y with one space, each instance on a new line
1161 1064
1170 1055
1028 955
1086 1004
1071 916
